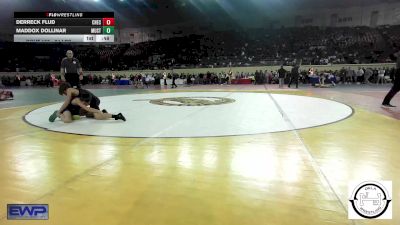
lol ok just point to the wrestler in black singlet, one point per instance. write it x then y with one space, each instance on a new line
85 96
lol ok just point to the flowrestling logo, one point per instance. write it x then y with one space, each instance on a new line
370 200
27 212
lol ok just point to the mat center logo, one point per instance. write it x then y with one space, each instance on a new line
370 200
192 101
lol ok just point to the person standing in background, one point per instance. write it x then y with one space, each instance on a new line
368 73
294 77
173 81
381 76
229 78
360 75
71 70
349 75
165 77
282 74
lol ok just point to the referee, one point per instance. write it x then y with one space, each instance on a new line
70 68
396 86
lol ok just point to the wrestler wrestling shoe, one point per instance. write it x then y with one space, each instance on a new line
119 116
53 116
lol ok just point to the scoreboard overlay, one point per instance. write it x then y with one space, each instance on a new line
64 27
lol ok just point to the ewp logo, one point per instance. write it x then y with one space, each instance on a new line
27 212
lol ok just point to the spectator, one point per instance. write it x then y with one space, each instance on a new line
282 75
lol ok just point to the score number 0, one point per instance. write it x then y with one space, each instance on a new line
108 21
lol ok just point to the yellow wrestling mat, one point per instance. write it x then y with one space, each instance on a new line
297 176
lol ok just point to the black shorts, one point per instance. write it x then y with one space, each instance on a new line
95 103
74 109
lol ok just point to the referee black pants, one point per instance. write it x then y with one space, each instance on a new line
73 79
392 92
